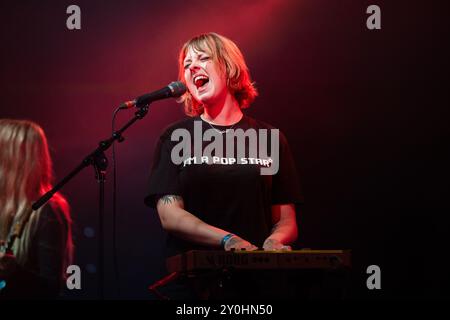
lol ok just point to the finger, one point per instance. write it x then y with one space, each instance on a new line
247 247
251 247
272 247
236 248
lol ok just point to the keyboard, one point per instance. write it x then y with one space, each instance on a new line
197 260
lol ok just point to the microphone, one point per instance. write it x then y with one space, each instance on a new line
173 90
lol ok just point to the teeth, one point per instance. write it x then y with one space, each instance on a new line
200 77
200 80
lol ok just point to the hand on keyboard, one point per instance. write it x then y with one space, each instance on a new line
272 245
237 243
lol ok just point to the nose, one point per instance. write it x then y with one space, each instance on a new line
194 66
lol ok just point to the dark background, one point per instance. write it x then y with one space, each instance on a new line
365 113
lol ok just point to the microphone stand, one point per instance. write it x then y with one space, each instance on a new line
99 161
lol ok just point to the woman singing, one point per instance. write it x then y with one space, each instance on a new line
222 202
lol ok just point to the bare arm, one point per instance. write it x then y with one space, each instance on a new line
285 230
176 220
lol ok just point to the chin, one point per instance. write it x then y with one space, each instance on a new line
205 99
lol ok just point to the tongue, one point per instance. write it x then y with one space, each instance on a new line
201 83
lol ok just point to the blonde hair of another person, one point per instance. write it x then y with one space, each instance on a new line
25 175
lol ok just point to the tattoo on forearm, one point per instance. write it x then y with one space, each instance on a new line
168 199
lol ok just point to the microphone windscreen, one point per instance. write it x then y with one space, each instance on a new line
177 88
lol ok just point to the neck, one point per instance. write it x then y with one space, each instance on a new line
224 113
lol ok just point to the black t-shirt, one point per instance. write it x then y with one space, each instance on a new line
225 190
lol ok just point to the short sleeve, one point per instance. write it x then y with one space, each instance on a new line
286 185
164 173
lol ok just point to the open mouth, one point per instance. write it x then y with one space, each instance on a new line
200 81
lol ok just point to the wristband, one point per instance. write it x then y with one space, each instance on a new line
225 239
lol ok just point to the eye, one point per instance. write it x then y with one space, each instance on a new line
204 58
186 66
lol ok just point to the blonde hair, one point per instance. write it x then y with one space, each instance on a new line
25 175
230 59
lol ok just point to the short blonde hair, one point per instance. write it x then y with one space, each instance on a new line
230 59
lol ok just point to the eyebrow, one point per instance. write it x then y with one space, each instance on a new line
198 54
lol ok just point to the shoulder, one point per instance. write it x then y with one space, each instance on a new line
259 124
186 123
56 211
